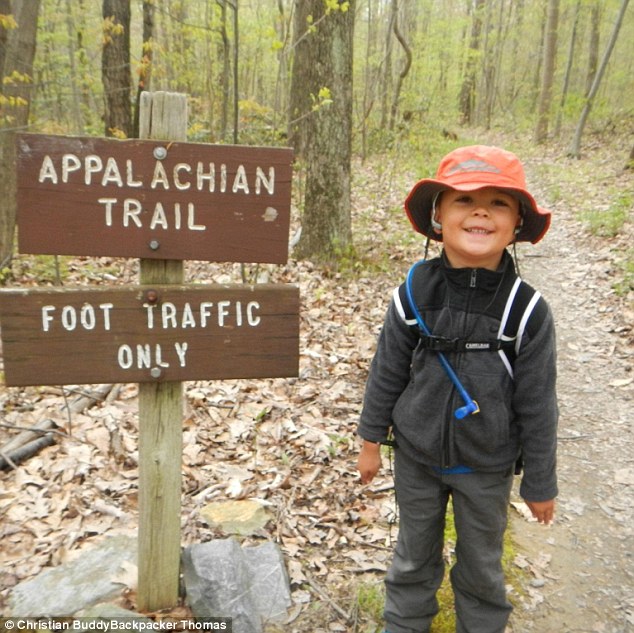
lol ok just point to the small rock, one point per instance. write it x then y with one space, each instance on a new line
249 585
242 517
217 583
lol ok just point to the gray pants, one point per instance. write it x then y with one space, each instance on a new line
480 502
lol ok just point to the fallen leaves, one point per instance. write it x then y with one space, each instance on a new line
291 443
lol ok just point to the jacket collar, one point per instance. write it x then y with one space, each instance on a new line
481 278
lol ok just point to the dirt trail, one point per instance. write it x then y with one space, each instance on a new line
583 566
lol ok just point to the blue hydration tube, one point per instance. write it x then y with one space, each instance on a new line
471 406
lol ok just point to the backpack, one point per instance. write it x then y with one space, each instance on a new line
521 304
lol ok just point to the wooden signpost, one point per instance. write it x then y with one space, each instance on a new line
164 201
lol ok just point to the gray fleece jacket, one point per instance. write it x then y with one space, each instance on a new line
408 390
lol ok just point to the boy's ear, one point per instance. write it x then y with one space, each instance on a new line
435 220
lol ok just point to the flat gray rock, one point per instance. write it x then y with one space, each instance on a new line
88 580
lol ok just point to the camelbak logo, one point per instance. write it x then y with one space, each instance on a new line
473 165
477 346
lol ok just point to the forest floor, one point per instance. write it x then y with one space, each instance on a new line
291 442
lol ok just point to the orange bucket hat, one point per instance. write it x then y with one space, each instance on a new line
476 167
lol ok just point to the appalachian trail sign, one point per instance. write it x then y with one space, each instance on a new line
140 198
162 200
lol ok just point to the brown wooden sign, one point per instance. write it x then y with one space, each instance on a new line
153 199
147 334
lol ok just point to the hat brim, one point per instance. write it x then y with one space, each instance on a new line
418 205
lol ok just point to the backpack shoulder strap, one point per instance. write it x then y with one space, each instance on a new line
522 302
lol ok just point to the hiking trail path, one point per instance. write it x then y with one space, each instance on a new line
582 567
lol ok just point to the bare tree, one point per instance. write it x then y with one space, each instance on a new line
575 148
147 53
406 65
548 75
468 90
5 11
115 67
571 53
15 100
593 45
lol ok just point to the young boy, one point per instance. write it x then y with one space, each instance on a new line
476 206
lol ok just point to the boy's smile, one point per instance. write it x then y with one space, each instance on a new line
477 226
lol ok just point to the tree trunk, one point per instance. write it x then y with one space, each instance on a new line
115 68
518 22
386 75
468 90
236 91
77 124
575 148
369 77
225 79
281 88
571 53
304 89
326 223
18 59
5 9
539 61
550 55
145 69
593 48
406 66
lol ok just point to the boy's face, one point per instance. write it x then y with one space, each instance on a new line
477 226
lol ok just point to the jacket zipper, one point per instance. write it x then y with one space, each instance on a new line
450 417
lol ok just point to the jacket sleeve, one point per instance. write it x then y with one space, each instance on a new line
536 411
389 373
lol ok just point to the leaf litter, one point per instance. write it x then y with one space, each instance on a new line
291 442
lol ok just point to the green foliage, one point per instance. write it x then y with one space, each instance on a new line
336 5
8 22
323 98
370 601
337 444
193 46
6 275
625 284
44 269
608 222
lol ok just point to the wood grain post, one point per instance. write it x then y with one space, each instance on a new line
163 116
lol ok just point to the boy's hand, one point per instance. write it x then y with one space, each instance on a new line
369 461
543 511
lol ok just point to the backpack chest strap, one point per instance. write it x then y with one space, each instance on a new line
443 344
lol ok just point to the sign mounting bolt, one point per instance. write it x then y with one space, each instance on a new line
160 153
151 296
155 372
154 245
